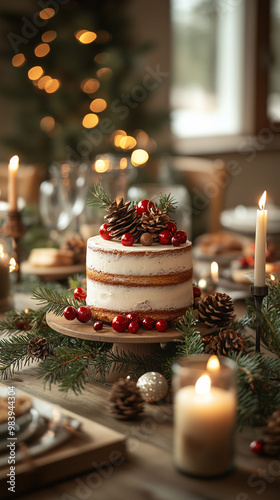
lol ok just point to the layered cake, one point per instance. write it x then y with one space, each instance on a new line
153 281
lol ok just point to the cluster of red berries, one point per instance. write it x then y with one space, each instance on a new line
83 313
168 236
132 322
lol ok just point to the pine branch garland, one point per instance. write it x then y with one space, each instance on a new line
98 198
168 203
54 301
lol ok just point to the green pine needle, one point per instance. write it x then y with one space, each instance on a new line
98 198
54 301
168 203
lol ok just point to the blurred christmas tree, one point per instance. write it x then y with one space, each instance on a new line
76 82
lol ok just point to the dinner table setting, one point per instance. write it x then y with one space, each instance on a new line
92 411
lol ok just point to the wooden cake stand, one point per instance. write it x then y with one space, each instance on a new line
142 342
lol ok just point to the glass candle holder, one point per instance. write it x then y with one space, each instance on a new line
204 414
5 288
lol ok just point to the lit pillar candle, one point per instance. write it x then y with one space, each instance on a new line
5 299
204 426
12 190
260 243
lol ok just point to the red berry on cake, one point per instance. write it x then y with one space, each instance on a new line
84 314
176 240
161 325
127 239
144 206
105 232
133 317
70 313
171 227
133 327
98 325
257 446
196 292
80 293
164 237
119 323
148 323
183 236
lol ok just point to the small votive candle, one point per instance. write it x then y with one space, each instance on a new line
204 415
5 288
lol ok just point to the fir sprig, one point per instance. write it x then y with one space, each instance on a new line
98 198
53 301
168 203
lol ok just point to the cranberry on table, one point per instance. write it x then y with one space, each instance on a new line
119 323
84 314
164 237
133 327
98 325
148 323
127 239
104 232
80 293
171 226
161 325
196 291
144 206
183 236
176 240
133 317
70 313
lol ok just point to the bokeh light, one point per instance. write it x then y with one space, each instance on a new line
104 73
49 36
52 86
117 136
98 105
101 165
138 157
123 163
102 58
127 142
90 85
85 36
47 124
43 81
42 50
47 13
35 73
90 120
18 60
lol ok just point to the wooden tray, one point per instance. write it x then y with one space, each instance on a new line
84 451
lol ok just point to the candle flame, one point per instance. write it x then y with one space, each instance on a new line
214 269
203 385
262 201
14 161
13 266
2 252
213 363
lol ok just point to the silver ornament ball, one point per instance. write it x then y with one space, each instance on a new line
153 386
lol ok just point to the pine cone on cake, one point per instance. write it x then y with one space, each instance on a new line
122 218
215 310
226 342
77 245
154 221
125 399
271 435
38 348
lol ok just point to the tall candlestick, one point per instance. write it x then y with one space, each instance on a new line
12 191
260 243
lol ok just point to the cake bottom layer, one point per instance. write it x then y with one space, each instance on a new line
160 302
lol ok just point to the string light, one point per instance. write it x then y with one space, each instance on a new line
18 60
52 86
49 36
42 50
90 120
47 13
138 157
98 105
35 73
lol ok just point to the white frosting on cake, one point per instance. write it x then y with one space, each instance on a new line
153 260
127 299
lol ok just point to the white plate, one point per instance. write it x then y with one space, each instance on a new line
243 219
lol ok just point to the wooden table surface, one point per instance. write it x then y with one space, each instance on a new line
149 473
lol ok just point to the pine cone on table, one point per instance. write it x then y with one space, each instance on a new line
122 218
77 245
154 221
226 342
215 310
271 435
125 399
38 348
